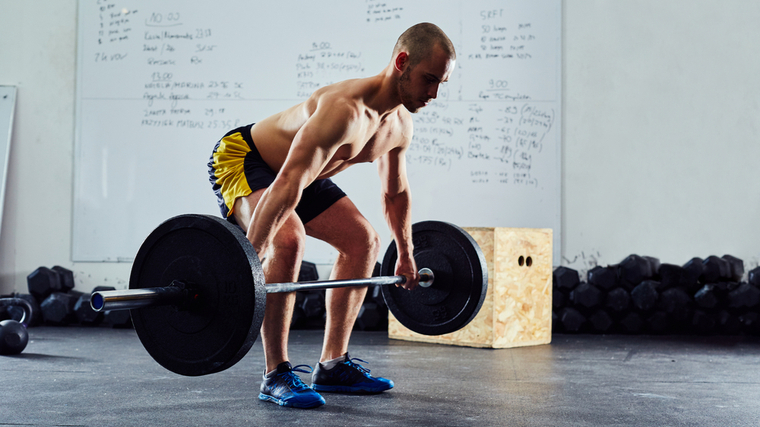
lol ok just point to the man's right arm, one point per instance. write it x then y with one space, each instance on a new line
312 148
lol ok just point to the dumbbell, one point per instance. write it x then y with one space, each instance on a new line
754 277
565 278
632 323
118 319
677 304
571 319
604 278
586 295
370 317
706 297
634 269
745 295
644 296
617 300
13 334
601 321
702 322
44 281
58 308
658 322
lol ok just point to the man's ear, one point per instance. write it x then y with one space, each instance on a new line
402 60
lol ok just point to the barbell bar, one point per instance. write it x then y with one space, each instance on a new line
179 294
197 294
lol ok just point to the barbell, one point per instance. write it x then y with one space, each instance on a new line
197 293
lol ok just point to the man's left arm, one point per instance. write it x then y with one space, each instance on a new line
397 207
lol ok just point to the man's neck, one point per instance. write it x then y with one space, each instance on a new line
383 96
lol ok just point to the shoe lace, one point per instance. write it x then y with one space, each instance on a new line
360 368
293 380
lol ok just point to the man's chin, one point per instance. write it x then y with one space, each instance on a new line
413 108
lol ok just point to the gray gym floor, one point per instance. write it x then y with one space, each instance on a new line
103 377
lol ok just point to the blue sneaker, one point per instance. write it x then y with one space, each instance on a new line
348 377
285 388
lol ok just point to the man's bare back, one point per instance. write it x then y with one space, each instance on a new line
372 135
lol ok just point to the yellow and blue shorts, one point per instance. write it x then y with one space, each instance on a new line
236 169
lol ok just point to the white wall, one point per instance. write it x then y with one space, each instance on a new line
661 120
661 144
38 54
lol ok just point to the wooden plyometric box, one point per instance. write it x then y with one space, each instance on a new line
517 310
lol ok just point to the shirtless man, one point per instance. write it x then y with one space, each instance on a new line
279 191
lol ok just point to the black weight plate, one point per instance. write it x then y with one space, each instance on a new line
216 259
459 288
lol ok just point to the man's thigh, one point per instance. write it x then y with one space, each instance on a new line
342 226
244 207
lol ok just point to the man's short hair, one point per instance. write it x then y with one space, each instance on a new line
419 40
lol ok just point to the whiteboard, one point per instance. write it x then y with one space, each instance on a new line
159 82
7 108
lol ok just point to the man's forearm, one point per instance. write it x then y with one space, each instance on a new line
398 214
276 204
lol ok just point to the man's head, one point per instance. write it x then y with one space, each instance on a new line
425 57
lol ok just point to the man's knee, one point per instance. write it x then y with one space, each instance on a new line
364 243
289 243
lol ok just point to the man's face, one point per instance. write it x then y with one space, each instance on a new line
419 84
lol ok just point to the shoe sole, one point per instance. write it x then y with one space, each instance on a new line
308 405
347 389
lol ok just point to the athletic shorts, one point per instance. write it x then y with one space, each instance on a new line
236 169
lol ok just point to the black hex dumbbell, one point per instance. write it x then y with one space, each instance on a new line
586 295
314 304
754 277
736 267
693 270
370 317
671 276
633 270
66 278
644 296
750 322
617 300
706 297
298 318
601 321
559 299
658 322
308 272
632 323
716 269
654 266
118 319
571 319
565 278
745 295
676 303
728 323
58 308
702 322
604 278
42 282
